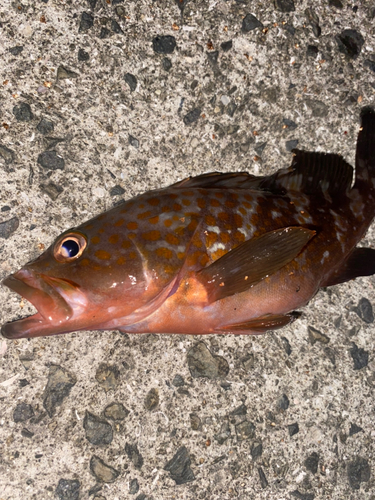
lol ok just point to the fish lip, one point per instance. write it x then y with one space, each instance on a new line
44 294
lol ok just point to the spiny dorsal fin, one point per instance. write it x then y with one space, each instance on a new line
233 180
252 261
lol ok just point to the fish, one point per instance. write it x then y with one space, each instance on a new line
217 253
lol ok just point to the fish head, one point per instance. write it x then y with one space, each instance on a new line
86 278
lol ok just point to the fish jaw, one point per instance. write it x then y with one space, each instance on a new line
59 303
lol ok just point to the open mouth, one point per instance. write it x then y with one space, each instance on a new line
49 296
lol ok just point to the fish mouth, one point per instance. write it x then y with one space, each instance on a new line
54 298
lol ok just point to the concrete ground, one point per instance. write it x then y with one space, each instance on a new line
96 104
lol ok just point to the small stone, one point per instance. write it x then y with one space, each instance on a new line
286 345
52 190
203 364
141 496
335 3
293 429
50 160
133 141
368 63
167 63
6 154
318 108
314 21
260 148
195 422
178 381
103 472
292 144
360 357
87 22
8 227
283 402
364 310
262 477
223 434
302 496
131 81
312 462
134 486
285 5
63 73
179 467
330 353
226 46
240 410
15 51
23 412
213 57
116 411
316 336
45 126
92 4
231 109
58 387
104 33
256 450
358 472
152 399
68 489
192 116
98 431
107 376
26 433
117 190
245 430
181 4
22 112
164 44
134 456
83 55
115 27
312 51
354 429
250 22
350 43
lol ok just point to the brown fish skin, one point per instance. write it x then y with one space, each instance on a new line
217 253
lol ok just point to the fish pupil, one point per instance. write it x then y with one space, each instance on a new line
70 248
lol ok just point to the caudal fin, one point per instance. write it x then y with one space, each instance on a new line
365 154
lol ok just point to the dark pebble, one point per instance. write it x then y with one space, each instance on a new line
152 399
203 364
134 486
285 5
368 63
87 22
117 2
360 357
6 154
141 496
51 161
364 310
312 51
226 386
164 44
115 27
283 402
5 208
262 477
223 434
98 431
116 411
45 126
318 108
195 422
291 144
293 429
231 109
52 190
250 22
179 467
92 4
64 73
15 51
26 433
167 63
350 43
256 450
226 46
131 81
286 345
133 141
83 55
107 376
311 462
103 472
68 489
134 455
22 112
213 57
181 4
23 412
23 382
316 336
302 496
245 430
178 381
8 227
58 387
240 410
354 429
313 19
260 148
335 3
117 190
358 472
290 124
192 116
104 33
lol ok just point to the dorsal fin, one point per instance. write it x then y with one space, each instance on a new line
229 180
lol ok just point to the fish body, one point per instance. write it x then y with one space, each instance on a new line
217 253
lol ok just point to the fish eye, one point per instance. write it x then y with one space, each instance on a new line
70 247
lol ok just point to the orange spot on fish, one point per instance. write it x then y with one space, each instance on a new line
126 244
154 202
121 260
225 237
113 239
223 216
219 253
144 215
237 219
172 239
154 220
210 220
204 260
166 208
230 203
214 203
248 197
119 223
181 255
176 207
84 262
242 210
176 217
95 240
132 226
164 253
132 255
167 223
102 255
192 226
211 238
151 235
246 204
239 236
187 193
132 236
201 202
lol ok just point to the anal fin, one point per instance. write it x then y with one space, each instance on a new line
260 325
361 262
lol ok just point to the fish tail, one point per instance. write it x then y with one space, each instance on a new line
365 154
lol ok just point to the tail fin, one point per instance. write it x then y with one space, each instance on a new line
365 154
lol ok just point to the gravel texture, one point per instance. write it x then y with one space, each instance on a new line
102 100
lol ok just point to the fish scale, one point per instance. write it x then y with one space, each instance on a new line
216 253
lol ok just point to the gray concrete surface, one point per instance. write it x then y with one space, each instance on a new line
323 383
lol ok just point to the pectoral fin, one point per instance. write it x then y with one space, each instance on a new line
252 261
262 324
361 262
